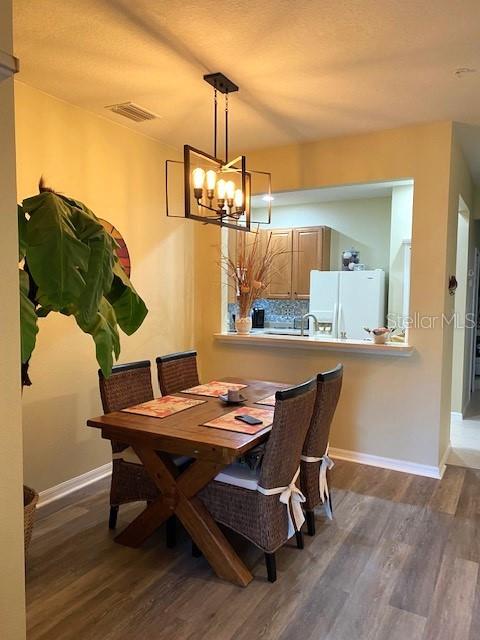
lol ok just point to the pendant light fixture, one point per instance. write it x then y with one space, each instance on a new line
217 191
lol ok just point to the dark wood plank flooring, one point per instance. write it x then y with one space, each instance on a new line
400 561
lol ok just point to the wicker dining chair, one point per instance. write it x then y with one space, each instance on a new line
177 371
315 464
128 385
263 505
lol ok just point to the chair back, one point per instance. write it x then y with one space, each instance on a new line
177 371
329 385
293 412
128 385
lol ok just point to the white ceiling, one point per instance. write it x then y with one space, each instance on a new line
332 194
306 69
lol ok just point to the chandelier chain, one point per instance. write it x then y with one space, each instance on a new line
215 123
226 127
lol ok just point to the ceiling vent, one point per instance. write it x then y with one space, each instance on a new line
132 111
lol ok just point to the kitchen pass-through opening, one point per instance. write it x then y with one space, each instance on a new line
343 263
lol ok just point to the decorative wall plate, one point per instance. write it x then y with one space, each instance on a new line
122 250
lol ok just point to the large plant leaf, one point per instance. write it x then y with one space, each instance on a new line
99 276
102 257
103 330
130 309
57 259
22 233
28 318
74 270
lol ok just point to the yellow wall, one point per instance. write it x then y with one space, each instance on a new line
12 596
390 407
120 176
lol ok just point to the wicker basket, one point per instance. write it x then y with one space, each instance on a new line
30 499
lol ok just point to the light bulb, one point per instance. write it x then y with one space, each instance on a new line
221 189
230 189
198 176
211 179
238 198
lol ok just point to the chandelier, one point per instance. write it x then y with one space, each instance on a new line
217 191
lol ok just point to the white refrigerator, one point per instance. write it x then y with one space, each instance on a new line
344 302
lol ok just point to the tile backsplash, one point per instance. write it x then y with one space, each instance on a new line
276 310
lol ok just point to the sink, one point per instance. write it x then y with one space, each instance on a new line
284 332
297 332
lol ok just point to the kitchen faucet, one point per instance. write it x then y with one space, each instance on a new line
315 323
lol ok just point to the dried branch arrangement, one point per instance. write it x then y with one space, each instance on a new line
253 269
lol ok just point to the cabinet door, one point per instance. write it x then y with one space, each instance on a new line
311 250
280 287
232 254
236 242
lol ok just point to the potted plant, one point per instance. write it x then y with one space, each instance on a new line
68 264
250 274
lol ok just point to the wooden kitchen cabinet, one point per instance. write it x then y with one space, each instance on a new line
233 239
236 244
280 286
307 248
304 248
311 250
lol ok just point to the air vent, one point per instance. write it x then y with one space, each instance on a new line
132 111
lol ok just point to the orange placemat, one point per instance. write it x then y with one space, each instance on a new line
163 407
228 422
269 401
214 388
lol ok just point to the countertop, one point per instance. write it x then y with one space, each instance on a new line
258 337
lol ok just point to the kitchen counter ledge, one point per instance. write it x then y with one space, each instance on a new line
366 347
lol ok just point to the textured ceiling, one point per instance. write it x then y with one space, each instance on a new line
306 69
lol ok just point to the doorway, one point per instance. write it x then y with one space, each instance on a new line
474 373
462 332
465 422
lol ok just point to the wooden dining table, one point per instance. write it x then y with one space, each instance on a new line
154 440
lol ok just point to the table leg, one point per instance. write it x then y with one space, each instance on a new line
178 496
145 524
212 543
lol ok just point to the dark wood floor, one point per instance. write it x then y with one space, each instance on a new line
399 562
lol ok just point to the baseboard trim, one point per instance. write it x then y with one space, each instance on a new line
443 461
74 484
390 463
456 415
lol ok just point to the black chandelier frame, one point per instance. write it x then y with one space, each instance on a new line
226 214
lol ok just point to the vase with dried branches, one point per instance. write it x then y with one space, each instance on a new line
250 272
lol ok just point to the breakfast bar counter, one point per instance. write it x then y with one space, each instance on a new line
367 347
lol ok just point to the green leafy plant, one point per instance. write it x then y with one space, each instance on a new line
68 264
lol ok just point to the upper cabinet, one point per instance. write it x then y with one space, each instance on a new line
234 238
300 251
311 250
305 248
281 282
